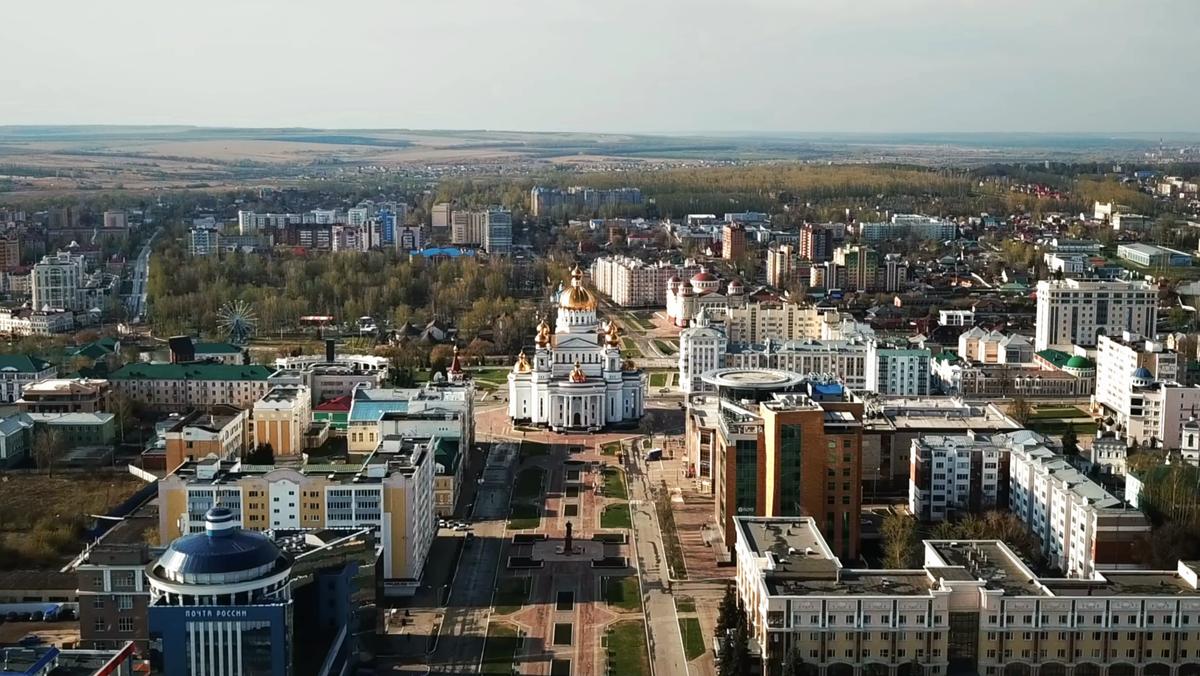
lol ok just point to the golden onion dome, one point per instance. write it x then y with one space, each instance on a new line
522 365
577 297
577 374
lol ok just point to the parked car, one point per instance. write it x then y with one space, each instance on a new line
12 617
37 616
24 617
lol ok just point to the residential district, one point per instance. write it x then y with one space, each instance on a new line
747 443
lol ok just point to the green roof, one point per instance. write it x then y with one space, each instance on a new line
1057 358
22 363
1078 362
192 372
445 453
946 355
217 348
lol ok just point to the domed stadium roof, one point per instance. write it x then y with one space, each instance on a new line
222 549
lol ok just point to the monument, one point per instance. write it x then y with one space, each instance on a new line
568 548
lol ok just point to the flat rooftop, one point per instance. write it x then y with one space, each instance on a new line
991 562
855 582
1123 583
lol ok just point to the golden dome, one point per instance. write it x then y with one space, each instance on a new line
522 365
543 334
577 374
613 335
577 297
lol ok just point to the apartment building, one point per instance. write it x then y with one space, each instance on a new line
1132 374
57 282
897 371
760 321
1081 528
25 321
542 201
702 348
281 419
390 492
204 242
467 227
817 241
1077 312
10 252
786 446
733 241
909 226
781 265
973 607
440 215
18 371
114 596
954 475
631 282
222 432
184 387
64 395
498 231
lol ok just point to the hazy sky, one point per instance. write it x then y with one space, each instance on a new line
606 65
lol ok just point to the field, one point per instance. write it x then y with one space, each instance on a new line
629 348
614 484
693 637
610 448
525 516
666 347
623 592
616 516
529 484
641 320
627 649
531 449
500 648
511 594
44 515
659 379
490 377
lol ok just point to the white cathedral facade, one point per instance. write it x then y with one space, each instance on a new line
576 381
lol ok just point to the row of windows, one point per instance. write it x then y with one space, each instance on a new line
1114 620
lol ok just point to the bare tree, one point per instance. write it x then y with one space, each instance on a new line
121 406
1020 410
898 532
48 447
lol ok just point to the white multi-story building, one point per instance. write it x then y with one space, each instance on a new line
17 371
953 475
956 317
204 242
702 348
58 281
897 371
498 231
1076 312
905 226
1133 375
466 227
702 293
631 282
758 322
441 215
1080 526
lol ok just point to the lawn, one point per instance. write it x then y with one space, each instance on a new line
666 348
623 592
529 484
1058 426
614 484
693 637
630 348
531 449
611 448
659 379
1053 412
627 649
45 515
616 516
511 594
500 648
685 604
643 322
524 516
492 375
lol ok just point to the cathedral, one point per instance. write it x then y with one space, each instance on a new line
576 380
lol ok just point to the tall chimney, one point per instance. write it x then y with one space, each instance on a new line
329 350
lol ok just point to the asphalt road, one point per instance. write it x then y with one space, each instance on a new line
666 643
460 642
136 301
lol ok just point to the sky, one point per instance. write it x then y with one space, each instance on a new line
621 66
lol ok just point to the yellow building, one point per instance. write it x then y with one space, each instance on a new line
281 418
972 608
391 492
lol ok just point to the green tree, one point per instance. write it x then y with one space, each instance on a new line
1070 441
263 454
727 612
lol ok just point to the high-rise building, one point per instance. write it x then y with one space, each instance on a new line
543 200
816 242
787 447
65 218
733 241
58 282
1076 312
441 215
631 282
466 227
909 226
780 265
498 231
862 267
10 252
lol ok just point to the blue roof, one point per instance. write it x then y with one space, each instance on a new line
222 548
1143 372
444 251
371 411
831 389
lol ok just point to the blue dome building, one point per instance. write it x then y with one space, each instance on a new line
220 602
